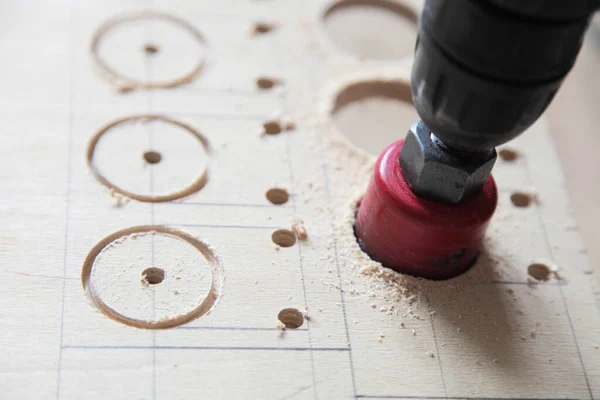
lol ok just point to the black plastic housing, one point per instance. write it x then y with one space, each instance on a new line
485 70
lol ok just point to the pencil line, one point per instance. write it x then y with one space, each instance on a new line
249 348
224 226
239 328
560 286
68 185
340 281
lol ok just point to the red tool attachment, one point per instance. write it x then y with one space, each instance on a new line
415 235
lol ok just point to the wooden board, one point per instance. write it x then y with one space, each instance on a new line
494 332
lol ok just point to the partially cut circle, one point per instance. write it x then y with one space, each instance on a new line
197 183
375 29
124 80
201 303
373 113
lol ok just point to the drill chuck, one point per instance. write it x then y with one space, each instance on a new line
485 70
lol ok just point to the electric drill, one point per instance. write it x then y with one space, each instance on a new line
483 72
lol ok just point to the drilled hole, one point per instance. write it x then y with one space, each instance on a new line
520 199
150 49
291 318
283 238
152 157
508 154
265 82
277 196
539 272
375 29
262 28
272 127
376 106
153 275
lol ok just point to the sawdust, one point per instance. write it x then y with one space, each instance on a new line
120 200
401 298
299 229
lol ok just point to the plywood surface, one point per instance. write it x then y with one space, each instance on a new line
494 332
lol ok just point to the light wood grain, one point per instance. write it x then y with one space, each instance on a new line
493 332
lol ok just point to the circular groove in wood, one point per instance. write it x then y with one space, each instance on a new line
126 83
203 308
195 186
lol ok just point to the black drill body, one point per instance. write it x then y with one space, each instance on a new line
484 71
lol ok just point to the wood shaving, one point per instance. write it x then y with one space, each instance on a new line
299 229
120 200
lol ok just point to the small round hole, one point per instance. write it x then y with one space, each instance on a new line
283 238
153 275
520 199
152 157
277 196
265 83
508 154
150 49
272 127
263 27
539 272
291 318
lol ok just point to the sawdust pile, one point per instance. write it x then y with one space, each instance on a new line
468 306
